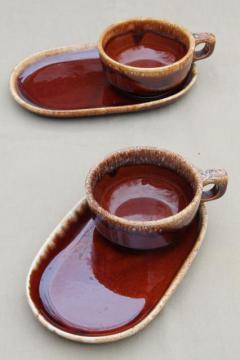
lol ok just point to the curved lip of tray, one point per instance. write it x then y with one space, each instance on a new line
151 104
76 212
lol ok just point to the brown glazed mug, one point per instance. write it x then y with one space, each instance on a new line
150 179
127 40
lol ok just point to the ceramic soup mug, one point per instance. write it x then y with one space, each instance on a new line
146 56
142 197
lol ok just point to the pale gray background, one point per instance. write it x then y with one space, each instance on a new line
44 163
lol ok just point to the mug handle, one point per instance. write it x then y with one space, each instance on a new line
219 179
203 38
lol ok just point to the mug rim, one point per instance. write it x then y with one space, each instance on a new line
149 225
145 71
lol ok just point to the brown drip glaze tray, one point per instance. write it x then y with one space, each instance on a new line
86 289
70 82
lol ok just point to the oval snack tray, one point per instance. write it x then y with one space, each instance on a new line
85 289
70 82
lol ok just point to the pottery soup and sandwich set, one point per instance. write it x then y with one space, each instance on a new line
113 262
137 64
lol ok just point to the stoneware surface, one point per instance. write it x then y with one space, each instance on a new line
44 162
48 84
137 234
149 80
102 328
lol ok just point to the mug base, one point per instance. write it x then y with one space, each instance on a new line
139 240
157 95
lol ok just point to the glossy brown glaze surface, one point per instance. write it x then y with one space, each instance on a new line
147 49
69 81
86 285
149 232
147 76
143 192
146 233
73 80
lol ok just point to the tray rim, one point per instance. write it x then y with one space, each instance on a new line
72 216
88 111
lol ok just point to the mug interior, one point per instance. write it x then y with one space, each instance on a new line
143 184
146 43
